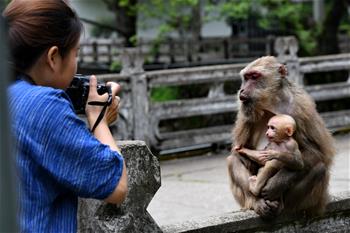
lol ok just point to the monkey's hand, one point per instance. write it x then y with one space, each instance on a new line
254 155
269 155
267 209
238 148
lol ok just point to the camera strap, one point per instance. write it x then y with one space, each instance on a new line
103 111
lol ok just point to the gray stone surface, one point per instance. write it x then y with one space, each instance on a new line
131 216
336 219
198 187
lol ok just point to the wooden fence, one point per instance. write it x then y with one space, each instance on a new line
171 51
175 125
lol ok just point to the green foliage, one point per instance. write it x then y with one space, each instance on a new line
292 19
174 15
98 31
237 10
115 66
128 5
161 94
284 16
133 40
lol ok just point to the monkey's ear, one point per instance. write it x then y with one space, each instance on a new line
289 131
283 70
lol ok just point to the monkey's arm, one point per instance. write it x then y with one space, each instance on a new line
291 157
254 155
292 160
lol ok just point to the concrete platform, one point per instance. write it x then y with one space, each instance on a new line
198 186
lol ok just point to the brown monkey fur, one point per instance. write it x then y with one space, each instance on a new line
281 150
265 91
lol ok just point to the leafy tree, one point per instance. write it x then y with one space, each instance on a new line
292 18
125 18
327 37
180 16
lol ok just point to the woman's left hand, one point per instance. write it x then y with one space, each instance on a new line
113 111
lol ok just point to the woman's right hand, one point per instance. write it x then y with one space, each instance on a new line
93 111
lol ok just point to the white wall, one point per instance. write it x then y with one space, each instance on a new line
90 9
96 9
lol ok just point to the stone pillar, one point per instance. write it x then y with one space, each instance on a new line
132 63
143 182
286 49
8 181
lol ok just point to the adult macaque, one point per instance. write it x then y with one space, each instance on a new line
265 92
282 150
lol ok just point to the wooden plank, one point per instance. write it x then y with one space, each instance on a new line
193 107
194 75
333 57
337 120
194 140
222 134
325 63
193 132
331 91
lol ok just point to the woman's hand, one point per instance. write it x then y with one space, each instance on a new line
93 111
113 111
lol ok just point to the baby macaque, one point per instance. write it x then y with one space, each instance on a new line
281 149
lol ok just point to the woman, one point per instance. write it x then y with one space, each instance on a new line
58 158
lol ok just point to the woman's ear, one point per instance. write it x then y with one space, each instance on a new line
53 57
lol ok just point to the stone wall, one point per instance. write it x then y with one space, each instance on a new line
143 182
336 219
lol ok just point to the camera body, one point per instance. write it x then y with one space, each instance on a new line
78 92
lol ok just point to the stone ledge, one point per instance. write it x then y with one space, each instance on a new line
131 216
336 219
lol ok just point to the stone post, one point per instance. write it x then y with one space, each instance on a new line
143 182
286 49
132 65
8 181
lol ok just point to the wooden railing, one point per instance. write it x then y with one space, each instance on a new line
172 51
161 124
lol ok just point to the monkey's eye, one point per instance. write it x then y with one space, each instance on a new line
252 75
255 76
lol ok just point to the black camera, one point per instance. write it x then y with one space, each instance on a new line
78 91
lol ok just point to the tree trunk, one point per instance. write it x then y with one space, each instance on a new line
125 19
196 28
328 37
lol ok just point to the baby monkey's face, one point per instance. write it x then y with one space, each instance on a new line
275 131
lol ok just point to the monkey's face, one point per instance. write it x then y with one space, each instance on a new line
279 128
261 81
251 83
274 131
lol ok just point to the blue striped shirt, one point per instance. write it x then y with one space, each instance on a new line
58 159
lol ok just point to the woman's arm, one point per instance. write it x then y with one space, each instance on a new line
104 135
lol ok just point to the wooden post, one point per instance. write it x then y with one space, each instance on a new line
109 52
132 65
172 54
225 42
94 51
